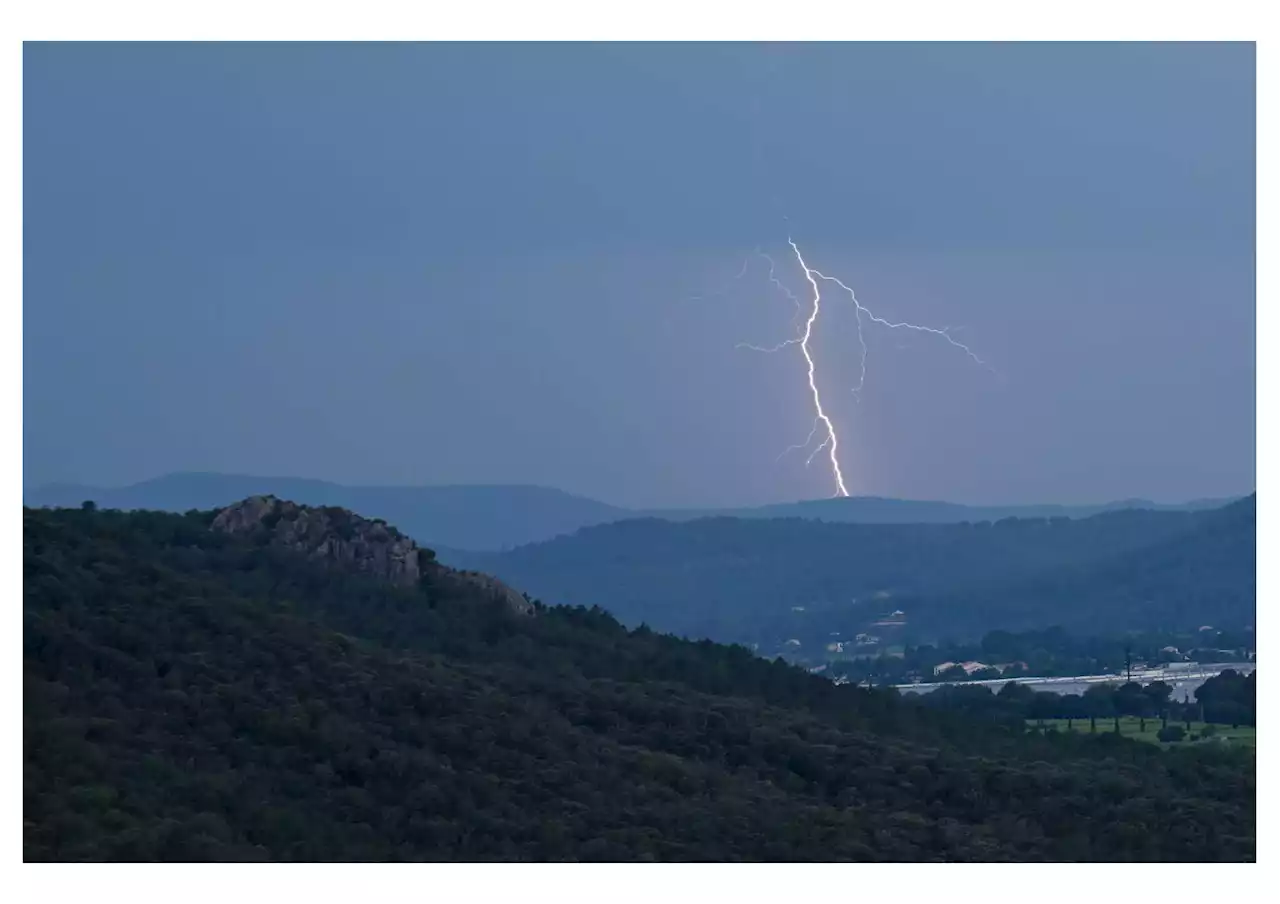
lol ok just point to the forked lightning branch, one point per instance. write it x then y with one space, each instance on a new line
822 423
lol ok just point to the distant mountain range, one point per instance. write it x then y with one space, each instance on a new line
486 518
465 517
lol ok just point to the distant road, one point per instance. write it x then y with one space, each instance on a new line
1184 677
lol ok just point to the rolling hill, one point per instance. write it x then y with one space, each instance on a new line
278 682
766 581
1206 575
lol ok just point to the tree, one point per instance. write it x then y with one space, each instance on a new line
1157 693
1099 700
1130 700
1228 698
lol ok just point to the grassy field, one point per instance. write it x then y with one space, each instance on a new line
1131 727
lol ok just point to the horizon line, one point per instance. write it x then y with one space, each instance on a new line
824 501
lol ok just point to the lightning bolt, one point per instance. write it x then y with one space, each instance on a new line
822 421
781 285
831 443
803 445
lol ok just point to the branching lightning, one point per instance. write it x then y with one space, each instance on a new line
831 443
822 421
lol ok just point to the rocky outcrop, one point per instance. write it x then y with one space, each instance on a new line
491 588
346 540
330 534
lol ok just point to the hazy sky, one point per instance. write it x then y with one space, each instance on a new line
515 264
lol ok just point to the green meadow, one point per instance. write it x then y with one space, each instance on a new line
1133 727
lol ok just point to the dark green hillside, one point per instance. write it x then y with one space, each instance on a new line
765 581
266 691
1204 576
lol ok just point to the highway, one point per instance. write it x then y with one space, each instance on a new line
1185 677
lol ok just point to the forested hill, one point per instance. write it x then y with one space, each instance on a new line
764 581
1206 575
296 684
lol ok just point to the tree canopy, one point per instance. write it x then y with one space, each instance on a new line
190 695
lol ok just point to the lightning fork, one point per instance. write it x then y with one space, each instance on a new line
831 441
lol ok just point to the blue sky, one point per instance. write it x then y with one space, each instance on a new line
513 263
